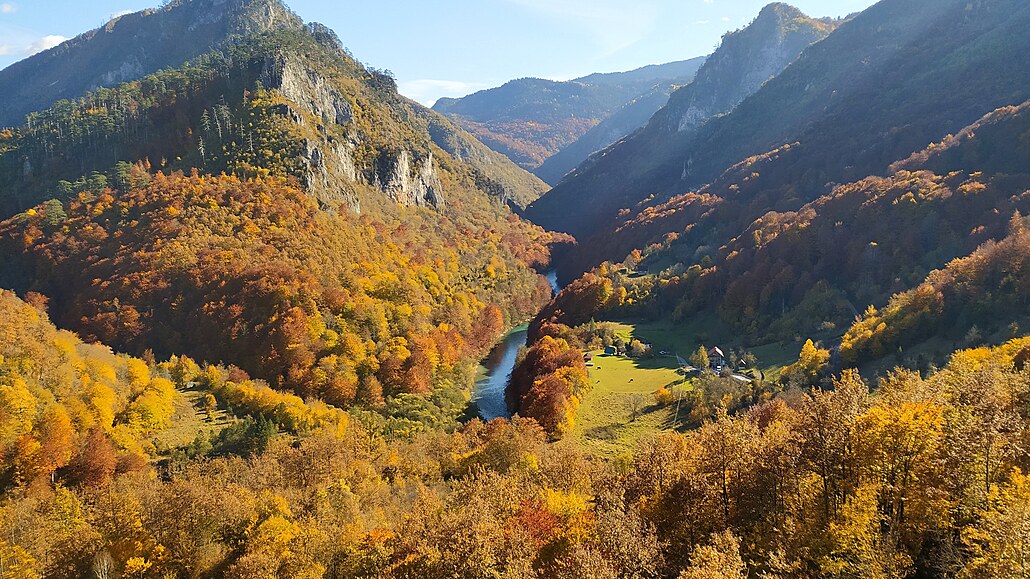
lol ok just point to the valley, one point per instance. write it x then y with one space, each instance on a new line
761 311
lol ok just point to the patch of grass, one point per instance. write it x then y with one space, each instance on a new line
189 419
707 330
604 423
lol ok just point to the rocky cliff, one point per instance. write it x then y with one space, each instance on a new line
745 60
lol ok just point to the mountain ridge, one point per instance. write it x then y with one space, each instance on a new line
530 119
742 64
337 125
131 46
848 107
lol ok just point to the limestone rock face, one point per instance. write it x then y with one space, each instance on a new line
412 182
341 129
308 89
331 170
746 60
331 173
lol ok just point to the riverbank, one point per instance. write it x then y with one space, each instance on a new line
488 396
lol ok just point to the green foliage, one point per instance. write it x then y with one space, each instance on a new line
248 438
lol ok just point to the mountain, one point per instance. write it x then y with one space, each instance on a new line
849 106
956 206
982 296
276 205
622 122
745 60
624 174
290 101
531 119
132 46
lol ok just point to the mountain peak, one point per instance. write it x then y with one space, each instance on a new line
745 60
780 11
132 46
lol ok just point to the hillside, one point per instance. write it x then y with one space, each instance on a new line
745 60
130 47
852 104
621 123
291 103
531 119
973 299
278 206
344 307
811 271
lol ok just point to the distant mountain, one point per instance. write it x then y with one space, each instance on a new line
624 121
132 46
531 119
621 176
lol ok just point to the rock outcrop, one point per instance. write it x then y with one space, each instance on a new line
412 182
331 172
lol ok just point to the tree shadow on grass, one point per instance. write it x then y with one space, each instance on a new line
609 433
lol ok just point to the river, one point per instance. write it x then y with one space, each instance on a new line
488 395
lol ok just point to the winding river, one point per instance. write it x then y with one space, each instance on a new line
488 395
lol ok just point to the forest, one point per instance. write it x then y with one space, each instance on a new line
922 475
343 307
250 292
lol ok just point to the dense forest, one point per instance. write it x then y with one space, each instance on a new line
924 475
811 271
343 307
245 293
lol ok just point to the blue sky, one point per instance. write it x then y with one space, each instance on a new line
454 47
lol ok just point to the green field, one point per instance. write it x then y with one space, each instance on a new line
604 423
709 331
190 419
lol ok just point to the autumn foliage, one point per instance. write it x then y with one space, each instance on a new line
253 273
925 474
550 381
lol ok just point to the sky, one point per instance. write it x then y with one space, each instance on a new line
456 47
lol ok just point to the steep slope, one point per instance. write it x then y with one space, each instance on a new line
621 123
292 103
342 307
130 47
971 299
531 119
739 67
276 205
811 271
58 395
854 103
